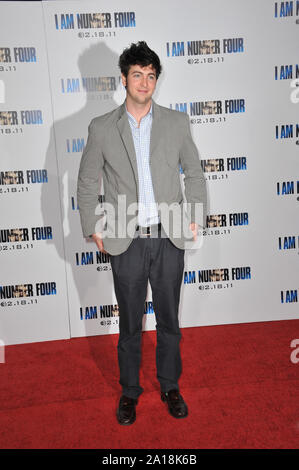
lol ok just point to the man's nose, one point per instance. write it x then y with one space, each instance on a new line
144 81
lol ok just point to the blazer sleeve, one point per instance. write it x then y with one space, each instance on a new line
88 185
195 183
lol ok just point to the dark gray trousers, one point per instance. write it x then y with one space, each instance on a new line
161 263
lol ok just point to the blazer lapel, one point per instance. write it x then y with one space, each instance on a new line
126 136
156 129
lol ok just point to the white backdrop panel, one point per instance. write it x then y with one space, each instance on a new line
37 310
240 57
243 249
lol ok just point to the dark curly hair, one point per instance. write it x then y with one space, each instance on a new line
139 54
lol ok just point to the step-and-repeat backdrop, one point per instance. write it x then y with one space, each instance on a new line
232 67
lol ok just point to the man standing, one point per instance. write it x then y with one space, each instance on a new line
138 149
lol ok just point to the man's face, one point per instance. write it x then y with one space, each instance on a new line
140 83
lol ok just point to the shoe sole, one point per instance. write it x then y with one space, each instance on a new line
178 417
171 412
125 424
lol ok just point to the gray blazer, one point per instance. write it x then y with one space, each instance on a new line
110 153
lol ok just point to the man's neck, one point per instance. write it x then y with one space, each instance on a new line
138 111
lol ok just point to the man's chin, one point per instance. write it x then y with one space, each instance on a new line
142 99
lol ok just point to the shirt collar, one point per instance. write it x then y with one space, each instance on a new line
133 120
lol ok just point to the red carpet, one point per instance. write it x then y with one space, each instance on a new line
238 380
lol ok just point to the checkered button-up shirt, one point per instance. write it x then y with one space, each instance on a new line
147 213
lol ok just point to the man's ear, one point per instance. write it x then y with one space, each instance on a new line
124 80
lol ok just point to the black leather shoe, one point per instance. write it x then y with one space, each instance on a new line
176 405
126 413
